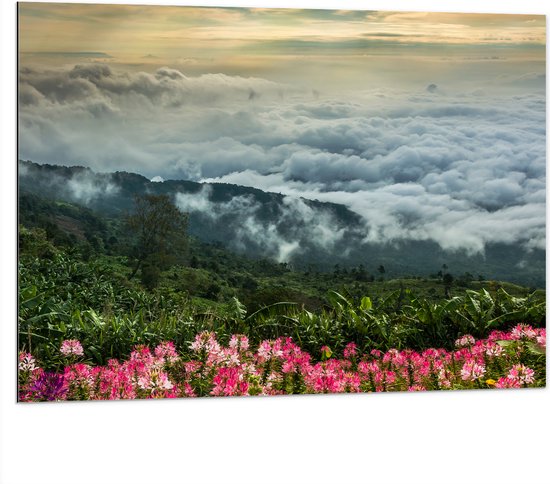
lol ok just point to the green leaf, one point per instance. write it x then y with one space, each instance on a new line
536 349
95 352
366 303
277 309
505 343
327 352
41 316
337 300
34 335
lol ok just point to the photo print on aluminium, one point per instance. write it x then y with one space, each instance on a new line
250 201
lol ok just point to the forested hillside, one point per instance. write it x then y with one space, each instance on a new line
306 235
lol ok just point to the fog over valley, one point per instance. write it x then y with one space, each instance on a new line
432 164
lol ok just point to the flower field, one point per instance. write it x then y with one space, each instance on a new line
512 359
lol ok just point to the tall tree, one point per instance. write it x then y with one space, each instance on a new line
159 229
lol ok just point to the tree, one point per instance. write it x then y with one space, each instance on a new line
160 232
150 275
448 282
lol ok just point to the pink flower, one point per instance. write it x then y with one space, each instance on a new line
523 331
188 390
497 335
466 340
80 381
431 353
229 381
471 371
350 350
368 367
521 374
268 350
71 347
239 342
191 366
493 350
27 362
462 354
376 353
162 381
478 349
395 357
205 341
141 357
352 382
155 383
167 351
278 367
227 356
326 377
416 388
444 377
289 366
506 382
346 364
264 350
541 338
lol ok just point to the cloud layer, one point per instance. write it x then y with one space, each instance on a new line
461 167
295 227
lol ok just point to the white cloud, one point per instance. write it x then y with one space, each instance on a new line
462 169
296 226
85 187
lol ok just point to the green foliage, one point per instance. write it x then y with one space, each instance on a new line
87 292
66 225
150 275
65 298
35 242
159 230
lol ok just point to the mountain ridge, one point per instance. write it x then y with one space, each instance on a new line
298 231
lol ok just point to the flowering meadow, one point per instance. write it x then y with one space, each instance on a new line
511 359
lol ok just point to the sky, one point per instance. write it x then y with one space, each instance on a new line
431 126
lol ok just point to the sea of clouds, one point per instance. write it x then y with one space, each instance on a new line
462 168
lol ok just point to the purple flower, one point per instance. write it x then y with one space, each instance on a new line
49 387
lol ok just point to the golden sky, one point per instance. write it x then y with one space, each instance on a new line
141 33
